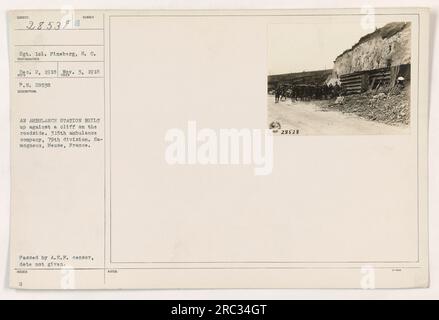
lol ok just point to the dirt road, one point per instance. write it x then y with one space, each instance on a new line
310 119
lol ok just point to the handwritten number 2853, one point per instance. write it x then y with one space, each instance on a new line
47 25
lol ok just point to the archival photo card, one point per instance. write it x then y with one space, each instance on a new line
219 148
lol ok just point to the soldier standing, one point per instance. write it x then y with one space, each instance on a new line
276 94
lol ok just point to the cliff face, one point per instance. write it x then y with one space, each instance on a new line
387 46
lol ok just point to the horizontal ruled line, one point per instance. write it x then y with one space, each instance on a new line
79 29
59 45
209 268
18 61
59 77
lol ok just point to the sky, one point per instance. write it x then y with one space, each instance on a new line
297 47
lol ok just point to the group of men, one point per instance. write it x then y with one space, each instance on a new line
307 92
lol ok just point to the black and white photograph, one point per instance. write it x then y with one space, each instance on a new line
339 78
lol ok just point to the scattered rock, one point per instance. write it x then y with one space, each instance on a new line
339 100
391 106
380 95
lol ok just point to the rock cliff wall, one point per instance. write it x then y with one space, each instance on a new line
386 46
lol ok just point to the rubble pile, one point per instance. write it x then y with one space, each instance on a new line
390 105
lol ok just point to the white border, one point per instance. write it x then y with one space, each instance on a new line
6 293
